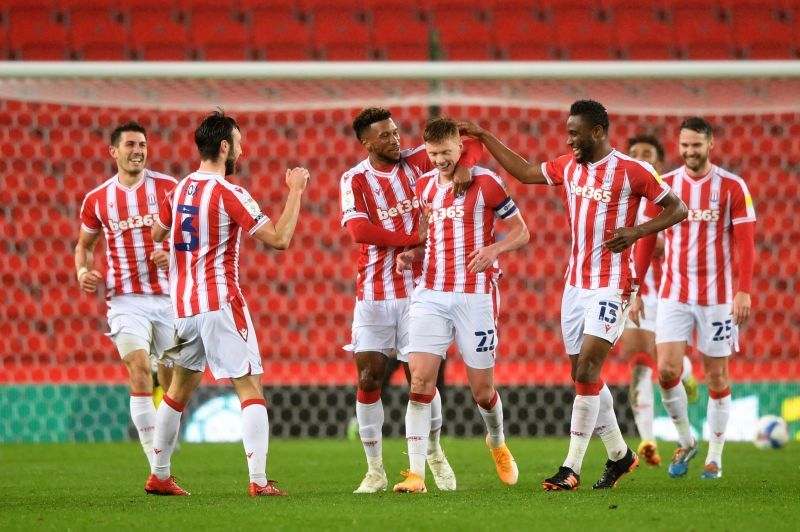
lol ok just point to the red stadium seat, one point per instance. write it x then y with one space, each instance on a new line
339 30
95 36
280 36
158 39
518 35
640 35
33 35
400 36
217 36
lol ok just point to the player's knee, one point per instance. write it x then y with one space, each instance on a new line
422 383
717 378
587 370
669 372
141 380
369 380
483 396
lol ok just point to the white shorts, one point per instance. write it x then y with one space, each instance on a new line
148 318
717 336
438 318
601 312
648 323
381 326
224 338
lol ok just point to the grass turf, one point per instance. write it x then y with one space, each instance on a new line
100 487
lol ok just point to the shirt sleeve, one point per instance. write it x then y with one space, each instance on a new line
418 158
351 198
496 196
742 209
553 170
90 221
165 210
243 209
646 182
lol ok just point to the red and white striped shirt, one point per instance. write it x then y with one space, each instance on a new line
125 215
207 214
652 279
698 251
601 197
457 226
386 199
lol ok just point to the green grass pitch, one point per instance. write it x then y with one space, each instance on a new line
100 487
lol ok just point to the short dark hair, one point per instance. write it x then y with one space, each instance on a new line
439 129
209 135
648 139
367 117
700 125
128 126
591 111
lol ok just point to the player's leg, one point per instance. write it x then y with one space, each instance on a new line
430 334
477 338
443 474
424 368
716 339
168 420
638 347
674 326
143 411
371 367
621 459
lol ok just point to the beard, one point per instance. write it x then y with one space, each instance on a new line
230 166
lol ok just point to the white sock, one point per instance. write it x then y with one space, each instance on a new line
255 438
608 428
687 368
584 418
493 418
643 412
677 405
436 425
370 427
168 422
418 428
719 411
143 414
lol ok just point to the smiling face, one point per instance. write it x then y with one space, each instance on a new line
695 148
445 155
382 140
130 153
582 138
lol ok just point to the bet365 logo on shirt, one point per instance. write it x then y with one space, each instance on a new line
133 222
453 211
402 207
703 215
591 192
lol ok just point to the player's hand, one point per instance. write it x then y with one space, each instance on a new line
482 259
422 228
160 258
89 281
741 308
471 129
404 261
636 313
462 179
297 179
621 239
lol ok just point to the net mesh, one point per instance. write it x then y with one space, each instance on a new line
53 141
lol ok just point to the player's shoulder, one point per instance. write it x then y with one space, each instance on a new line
234 188
729 177
101 187
411 152
483 175
427 177
355 173
158 176
629 163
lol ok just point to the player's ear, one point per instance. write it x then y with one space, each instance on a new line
112 150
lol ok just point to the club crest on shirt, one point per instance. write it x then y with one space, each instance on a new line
243 333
